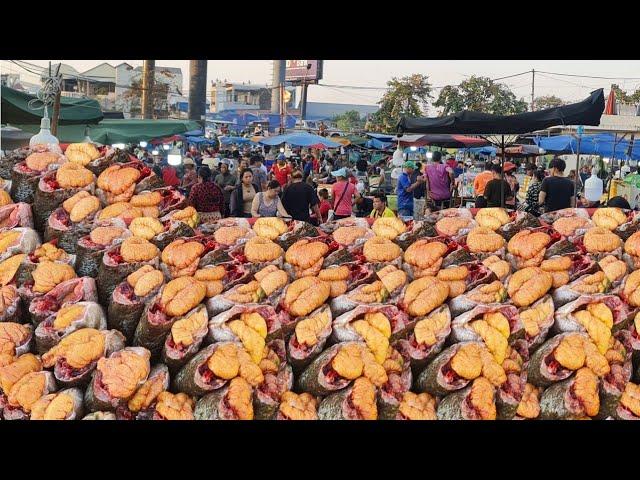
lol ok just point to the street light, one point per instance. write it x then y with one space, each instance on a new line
143 144
119 146
166 147
155 152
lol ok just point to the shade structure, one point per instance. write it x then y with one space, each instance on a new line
200 140
586 112
447 141
604 144
234 140
112 131
16 109
520 151
299 139
170 139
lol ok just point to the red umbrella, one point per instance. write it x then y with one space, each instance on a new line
171 139
318 146
610 107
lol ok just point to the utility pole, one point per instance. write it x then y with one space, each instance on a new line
56 104
533 86
279 67
281 98
198 91
148 78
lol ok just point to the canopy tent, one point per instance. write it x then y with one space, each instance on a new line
378 144
300 139
170 139
241 120
522 151
108 132
586 112
193 133
488 150
200 140
73 111
603 144
234 140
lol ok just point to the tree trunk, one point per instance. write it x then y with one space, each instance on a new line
197 89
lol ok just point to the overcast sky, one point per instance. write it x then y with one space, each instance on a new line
440 72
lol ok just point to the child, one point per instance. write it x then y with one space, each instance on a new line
324 206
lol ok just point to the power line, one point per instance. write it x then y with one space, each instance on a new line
589 76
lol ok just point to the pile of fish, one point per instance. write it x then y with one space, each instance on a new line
117 303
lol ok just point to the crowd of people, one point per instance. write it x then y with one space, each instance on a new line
251 182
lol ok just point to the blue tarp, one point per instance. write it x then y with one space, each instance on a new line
199 140
378 144
232 140
300 139
603 144
193 133
490 151
383 137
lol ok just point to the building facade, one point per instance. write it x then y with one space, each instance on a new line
244 96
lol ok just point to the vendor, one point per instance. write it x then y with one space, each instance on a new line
380 208
493 191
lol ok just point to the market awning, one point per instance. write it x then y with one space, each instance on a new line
300 139
112 131
522 151
604 144
232 140
170 139
200 140
587 112
73 111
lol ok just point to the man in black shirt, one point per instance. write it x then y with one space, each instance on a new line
492 191
299 197
556 191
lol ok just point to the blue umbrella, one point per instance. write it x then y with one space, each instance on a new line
299 139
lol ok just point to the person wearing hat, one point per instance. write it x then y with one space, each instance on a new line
405 189
190 177
343 194
493 192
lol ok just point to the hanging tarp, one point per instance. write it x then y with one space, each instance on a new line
200 140
111 131
299 139
73 111
234 140
379 144
587 112
603 144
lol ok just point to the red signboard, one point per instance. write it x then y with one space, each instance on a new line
308 71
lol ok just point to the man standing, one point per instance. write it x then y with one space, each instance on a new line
405 189
493 192
259 173
481 180
227 183
529 169
439 178
556 191
299 197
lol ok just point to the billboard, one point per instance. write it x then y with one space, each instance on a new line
297 71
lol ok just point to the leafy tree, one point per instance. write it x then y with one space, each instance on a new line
624 97
548 101
134 96
406 96
348 121
480 94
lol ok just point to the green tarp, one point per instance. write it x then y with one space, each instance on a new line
73 111
112 131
